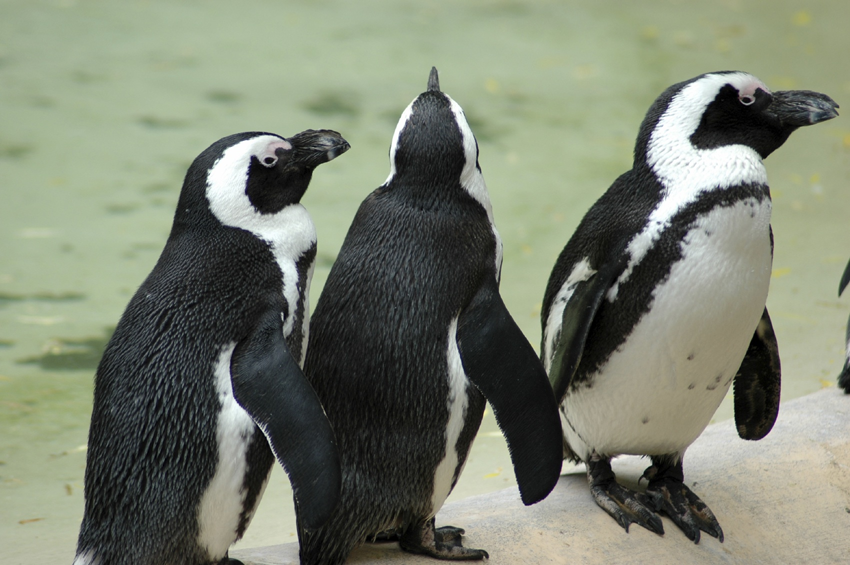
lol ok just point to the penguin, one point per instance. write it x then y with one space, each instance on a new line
410 337
200 388
844 377
656 305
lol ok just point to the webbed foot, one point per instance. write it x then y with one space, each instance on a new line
442 543
670 495
622 504
448 534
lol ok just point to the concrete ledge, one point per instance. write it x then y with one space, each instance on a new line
784 499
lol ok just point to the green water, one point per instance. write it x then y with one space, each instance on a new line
104 104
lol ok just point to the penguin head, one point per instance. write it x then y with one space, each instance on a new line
433 147
252 174
728 108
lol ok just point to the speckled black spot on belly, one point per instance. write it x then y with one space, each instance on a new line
716 382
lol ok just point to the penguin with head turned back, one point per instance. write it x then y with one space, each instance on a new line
844 377
411 336
657 303
200 387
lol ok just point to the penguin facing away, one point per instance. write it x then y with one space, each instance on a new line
657 303
409 339
200 388
844 377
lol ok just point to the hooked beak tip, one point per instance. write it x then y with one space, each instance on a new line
338 150
803 107
319 146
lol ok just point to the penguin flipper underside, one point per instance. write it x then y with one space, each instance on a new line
270 386
757 384
502 364
578 315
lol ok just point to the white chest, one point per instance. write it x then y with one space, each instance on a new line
457 403
660 388
295 236
222 502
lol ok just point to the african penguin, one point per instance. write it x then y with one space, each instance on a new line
844 377
410 337
203 373
657 303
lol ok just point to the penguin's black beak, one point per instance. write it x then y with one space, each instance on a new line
314 147
797 108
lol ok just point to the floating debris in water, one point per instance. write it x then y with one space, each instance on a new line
36 233
224 97
494 474
79 449
334 104
15 151
75 354
41 297
41 320
155 122
30 520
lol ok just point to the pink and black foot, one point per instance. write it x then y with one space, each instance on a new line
441 543
624 505
670 495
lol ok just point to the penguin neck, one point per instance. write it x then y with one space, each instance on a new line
729 172
681 167
193 210
428 194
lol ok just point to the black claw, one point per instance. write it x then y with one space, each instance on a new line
624 505
442 543
448 533
670 495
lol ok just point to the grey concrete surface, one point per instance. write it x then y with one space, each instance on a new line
784 499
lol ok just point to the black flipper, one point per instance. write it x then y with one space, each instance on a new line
845 278
757 384
500 362
844 377
576 320
269 385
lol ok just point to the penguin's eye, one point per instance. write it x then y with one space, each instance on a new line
747 99
273 152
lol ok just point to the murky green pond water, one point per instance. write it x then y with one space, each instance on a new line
104 104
